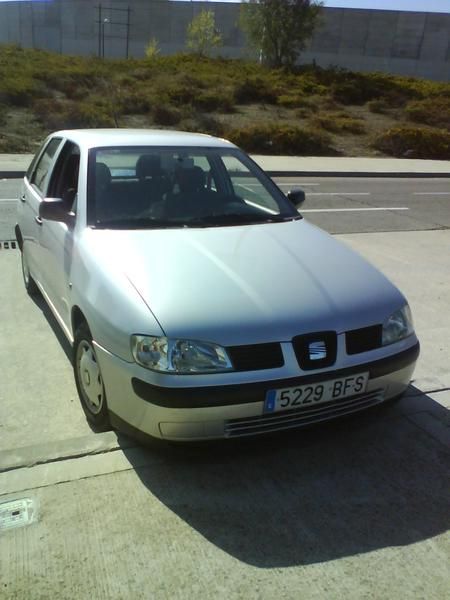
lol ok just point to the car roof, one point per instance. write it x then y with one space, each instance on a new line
93 138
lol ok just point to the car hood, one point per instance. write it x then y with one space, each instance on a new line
249 284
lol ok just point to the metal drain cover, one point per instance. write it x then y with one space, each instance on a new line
18 513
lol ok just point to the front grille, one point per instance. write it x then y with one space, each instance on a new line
363 340
315 350
256 357
301 417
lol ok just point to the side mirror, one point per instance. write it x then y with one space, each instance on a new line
55 209
296 196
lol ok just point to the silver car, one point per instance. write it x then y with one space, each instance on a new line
199 303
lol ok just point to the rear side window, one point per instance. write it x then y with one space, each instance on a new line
41 169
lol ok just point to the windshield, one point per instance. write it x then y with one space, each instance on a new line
153 187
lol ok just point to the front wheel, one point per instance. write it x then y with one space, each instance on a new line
89 381
29 283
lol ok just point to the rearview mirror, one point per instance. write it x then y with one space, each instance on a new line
296 196
55 209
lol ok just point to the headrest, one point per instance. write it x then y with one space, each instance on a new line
102 175
191 180
148 165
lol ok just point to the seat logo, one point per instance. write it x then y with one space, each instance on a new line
317 350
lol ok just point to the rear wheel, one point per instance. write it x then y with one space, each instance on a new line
30 284
89 381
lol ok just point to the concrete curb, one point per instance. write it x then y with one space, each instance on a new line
49 452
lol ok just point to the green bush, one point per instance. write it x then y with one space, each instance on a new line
18 90
430 111
302 113
3 114
419 142
379 106
131 103
207 124
58 114
180 94
16 144
166 115
355 88
211 101
282 139
339 123
290 100
254 89
358 88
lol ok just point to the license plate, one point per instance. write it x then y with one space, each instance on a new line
315 393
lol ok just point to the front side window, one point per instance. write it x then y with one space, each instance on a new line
247 186
42 166
64 180
150 187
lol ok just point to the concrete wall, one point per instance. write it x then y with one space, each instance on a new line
407 43
399 42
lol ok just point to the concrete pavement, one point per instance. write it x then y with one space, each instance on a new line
355 509
15 165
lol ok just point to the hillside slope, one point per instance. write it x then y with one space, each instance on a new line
310 112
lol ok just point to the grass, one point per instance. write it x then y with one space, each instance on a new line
310 111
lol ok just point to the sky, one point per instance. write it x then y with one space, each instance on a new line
410 5
442 6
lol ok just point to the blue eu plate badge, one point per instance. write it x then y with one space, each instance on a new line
269 404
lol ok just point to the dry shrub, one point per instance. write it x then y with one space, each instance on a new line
282 139
433 111
419 142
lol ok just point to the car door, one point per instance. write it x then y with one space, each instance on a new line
57 237
33 191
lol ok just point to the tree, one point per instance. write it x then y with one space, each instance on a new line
279 29
152 49
202 35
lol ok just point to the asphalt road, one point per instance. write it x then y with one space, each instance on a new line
338 205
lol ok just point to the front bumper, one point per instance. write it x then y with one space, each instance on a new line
187 413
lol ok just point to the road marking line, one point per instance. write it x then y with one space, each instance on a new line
377 208
431 193
295 183
8 199
281 184
338 193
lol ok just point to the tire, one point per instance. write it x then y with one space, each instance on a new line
28 281
89 381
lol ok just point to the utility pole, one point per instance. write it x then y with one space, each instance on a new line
128 31
114 24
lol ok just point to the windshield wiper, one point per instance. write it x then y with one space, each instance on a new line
236 219
226 219
137 223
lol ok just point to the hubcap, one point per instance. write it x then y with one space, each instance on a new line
90 377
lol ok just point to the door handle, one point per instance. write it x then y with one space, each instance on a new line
22 198
38 220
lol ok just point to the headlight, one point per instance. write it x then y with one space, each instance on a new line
179 356
398 326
